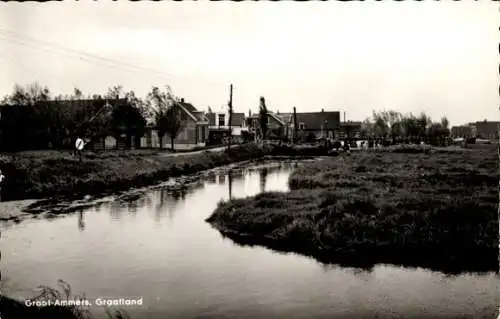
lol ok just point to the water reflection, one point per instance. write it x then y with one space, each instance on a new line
161 202
81 222
211 178
168 203
230 184
115 210
148 202
182 258
132 207
263 179
179 194
222 179
238 174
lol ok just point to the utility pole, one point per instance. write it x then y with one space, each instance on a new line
230 116
294 125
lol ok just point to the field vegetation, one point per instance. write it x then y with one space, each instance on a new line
434 209
58 174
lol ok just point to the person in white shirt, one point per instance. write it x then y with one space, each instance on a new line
2 178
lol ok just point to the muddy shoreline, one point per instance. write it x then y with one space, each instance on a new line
17 211
474 261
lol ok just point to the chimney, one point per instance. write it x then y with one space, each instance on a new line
322 110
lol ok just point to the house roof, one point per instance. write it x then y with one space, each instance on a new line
271 114
285 117
237 119
490 127
211 119
188 106
314 120
351 123
200 116
192 112
277 117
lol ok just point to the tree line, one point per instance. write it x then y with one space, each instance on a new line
395 127
33 118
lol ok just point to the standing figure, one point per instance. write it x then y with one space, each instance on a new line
2 178
79 144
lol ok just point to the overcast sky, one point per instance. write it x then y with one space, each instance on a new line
441 58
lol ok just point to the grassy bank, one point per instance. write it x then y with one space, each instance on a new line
59 174
12 309
436 210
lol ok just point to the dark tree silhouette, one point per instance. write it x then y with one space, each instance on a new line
263 117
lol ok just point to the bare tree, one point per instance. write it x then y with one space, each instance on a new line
263 117
167 113
77 93
173 122
157 102
28 95
230 120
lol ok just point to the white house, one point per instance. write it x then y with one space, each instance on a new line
219 121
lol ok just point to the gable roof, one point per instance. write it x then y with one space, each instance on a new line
286 117
237 119
192 112
276 117
487 127
315 120
200 115
211 119
188 106
273 115
351 123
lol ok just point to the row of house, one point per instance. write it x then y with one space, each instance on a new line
202 128
205 128
482 129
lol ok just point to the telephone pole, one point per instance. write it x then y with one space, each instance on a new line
230 116
294 134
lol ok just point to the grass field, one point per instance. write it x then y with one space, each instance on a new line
39 174
436 210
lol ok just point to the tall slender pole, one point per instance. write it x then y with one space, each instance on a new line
294 124
230 116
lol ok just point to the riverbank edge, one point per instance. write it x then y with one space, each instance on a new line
19 210
478 260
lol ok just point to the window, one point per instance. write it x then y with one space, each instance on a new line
222 119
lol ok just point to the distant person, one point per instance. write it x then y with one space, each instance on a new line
79 144
2 178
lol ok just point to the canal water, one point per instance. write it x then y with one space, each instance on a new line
160 248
